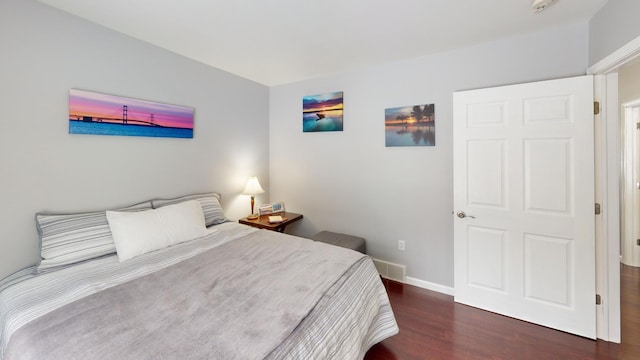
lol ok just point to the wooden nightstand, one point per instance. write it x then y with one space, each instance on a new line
262 222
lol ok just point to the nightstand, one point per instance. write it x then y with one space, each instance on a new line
262 222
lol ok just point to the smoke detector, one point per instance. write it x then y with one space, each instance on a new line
539 5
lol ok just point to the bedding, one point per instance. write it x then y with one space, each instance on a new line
213 212
137 233
235 293
66 239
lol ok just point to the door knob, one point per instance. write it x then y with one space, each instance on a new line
462 215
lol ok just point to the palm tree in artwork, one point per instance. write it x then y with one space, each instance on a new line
417 113
403 118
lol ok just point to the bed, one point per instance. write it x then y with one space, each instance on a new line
233 292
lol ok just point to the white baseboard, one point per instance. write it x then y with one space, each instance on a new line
396 272
390 271
430 286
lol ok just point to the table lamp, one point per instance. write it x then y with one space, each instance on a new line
253 188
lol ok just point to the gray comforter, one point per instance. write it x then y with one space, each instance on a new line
239 300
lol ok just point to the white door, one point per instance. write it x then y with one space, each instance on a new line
524 237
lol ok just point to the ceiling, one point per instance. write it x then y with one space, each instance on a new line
275 42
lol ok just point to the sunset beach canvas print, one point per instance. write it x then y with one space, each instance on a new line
322 112
410 126
101 114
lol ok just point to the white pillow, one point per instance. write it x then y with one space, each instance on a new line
137 233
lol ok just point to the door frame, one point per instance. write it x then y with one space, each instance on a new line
608 178
629 195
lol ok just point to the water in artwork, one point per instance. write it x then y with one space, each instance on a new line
315 122
97 128
410 135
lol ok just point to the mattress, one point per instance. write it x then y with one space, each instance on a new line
342 317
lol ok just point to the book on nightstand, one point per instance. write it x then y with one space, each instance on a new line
275 219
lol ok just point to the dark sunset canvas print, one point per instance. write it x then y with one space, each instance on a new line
410 126
101 114
322 112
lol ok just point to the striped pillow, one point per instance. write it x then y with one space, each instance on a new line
67 239
17 277
213 212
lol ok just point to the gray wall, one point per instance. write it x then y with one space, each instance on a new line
612 27
350 182
46 52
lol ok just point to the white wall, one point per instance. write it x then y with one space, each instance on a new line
612 27
350 182
46 52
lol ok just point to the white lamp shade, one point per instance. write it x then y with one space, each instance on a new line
253 187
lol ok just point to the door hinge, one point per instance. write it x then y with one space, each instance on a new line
638 242
598 299
638 126
596 107
597 209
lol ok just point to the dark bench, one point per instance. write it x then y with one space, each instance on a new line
343 240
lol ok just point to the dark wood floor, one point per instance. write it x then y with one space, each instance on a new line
630 310
432 326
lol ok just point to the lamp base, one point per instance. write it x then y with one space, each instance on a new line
253 216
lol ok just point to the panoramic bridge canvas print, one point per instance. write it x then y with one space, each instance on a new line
101 114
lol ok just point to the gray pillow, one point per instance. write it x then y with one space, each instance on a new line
67 239
213 212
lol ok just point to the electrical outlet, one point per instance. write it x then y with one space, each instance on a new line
401 245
